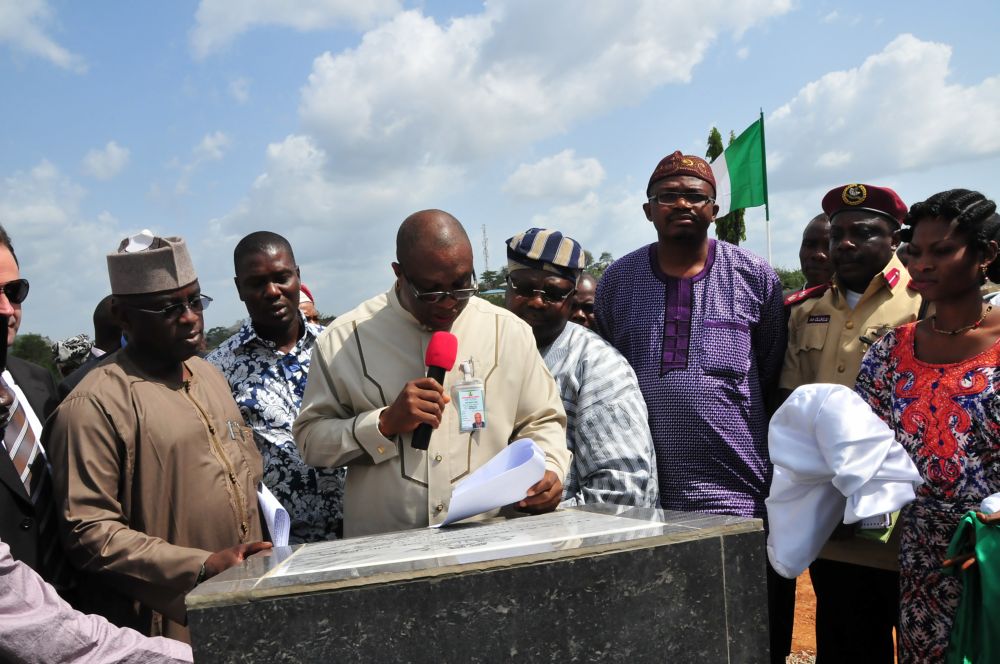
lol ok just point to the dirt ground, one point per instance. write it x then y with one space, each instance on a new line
804 631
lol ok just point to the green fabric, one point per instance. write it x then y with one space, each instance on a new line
975 635
745 163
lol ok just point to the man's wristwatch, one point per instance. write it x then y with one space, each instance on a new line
202 573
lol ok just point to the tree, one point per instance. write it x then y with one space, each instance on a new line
35 348
731 227
491 279
790 279
597 268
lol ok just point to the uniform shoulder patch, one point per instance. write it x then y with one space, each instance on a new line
807 294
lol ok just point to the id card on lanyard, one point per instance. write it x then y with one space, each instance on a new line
470 396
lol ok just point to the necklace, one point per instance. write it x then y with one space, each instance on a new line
973 326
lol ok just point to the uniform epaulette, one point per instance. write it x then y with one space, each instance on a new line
807 294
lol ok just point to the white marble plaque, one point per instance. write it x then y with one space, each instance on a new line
565 529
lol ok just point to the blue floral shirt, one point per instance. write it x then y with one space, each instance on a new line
268 386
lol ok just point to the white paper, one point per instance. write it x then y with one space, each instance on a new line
276 516
502 480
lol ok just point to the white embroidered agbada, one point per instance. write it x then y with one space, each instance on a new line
834 460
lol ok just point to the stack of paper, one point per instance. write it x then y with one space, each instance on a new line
276 516
502 480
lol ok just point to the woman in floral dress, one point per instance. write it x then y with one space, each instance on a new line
937 383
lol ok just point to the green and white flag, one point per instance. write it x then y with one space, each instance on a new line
741 172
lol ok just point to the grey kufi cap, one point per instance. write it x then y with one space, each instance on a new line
145 264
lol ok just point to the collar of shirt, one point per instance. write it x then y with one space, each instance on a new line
248 335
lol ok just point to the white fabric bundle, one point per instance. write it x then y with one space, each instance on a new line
834 460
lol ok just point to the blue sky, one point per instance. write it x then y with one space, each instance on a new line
329 121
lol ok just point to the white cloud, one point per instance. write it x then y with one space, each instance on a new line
212 147
105 163
341 228
219 22
239 89
743 53
22 27
61 251
417 92
831 17
560 175
899 111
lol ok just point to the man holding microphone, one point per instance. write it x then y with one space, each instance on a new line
366 396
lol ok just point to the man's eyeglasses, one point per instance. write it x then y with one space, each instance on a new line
15 291
694 198
433 297
197 304
585 307
548 294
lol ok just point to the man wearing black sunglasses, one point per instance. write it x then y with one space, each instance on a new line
27 396
157 474
367 392
606 427
582 308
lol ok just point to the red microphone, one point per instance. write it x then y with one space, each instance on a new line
440 358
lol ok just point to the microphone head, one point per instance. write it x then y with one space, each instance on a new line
442 350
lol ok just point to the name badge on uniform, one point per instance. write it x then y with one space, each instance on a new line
470 396
818 319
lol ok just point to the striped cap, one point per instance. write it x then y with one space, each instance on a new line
543 249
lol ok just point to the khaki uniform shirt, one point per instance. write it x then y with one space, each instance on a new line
826 343
152 479
360 364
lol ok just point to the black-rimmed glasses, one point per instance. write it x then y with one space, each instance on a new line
197 304
433 297
15 291
548 294
668 198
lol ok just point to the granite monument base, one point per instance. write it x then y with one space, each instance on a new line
581 585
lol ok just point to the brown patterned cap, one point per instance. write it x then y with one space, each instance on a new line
147 264
681 164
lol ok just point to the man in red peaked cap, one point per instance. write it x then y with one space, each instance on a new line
828 335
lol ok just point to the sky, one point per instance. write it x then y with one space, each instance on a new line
330 121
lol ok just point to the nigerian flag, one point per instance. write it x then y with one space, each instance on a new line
741 172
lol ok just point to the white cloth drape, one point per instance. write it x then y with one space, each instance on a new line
834 460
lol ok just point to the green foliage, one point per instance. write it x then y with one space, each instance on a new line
217 335
491 279
495 298
597 268
35 348
730 228
790 279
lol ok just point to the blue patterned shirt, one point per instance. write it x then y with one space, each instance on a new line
606 427
268 386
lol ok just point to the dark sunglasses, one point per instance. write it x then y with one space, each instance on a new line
548 294
197 304
15 291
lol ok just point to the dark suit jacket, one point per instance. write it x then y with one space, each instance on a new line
18 520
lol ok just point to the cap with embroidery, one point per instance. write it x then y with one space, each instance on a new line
543 249
867 197
681 164
145 264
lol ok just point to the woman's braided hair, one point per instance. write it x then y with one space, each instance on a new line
976 215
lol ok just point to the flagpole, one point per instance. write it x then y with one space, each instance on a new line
767 206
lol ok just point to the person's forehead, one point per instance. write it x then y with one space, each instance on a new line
8 266
935 229
681 183
858 218
174 295
272 259
536 276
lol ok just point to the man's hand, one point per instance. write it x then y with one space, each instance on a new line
220 561
421 401
544 496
